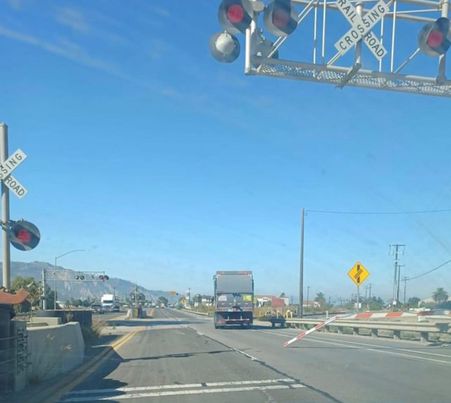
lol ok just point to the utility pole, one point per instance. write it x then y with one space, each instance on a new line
369 287
44 301
396 250
405 278
308 291
5 211
301 269
399 281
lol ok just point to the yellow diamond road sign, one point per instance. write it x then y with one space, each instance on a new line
358 273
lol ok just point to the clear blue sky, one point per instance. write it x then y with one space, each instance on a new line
167 166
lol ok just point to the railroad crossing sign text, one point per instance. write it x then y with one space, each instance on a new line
361 28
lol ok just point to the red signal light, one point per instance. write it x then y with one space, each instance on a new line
23 236
280 18
435 39
235 13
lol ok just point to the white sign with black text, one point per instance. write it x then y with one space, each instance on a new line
7 167
361 28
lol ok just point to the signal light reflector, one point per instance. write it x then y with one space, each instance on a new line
235 16
224 47
435 38
280 18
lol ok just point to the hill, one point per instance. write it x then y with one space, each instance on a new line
68 287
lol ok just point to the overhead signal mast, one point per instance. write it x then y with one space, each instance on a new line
395 45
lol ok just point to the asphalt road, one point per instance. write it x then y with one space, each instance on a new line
178 356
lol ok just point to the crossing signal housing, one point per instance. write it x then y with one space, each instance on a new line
235 16
435 38
24 235
280 17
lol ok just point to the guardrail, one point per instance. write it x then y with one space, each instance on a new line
196 312
423 330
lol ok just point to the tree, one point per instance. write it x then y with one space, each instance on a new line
375 303
413 301
162 300
31 286
440 296
282 295
321 299
49 297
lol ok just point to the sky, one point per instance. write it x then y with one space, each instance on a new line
164 165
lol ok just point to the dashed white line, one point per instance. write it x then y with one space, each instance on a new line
187 389
180 386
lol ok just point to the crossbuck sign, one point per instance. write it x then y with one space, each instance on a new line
5 173
361 28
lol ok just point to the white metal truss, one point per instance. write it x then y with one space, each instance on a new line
70 275
311 56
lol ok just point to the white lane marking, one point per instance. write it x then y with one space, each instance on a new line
185 392
246 354
396 349
178 386
380 346
379 349
383 352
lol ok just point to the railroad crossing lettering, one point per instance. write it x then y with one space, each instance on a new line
358 274
7 167
15 186
361 28
11 163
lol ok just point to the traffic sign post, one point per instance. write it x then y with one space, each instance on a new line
21 234
358 274
5 210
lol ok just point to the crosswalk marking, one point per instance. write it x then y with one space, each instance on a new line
177 389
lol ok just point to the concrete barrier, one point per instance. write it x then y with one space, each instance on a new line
54 350
423 330
44 321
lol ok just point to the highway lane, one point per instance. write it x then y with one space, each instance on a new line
179 356
170 362
347 367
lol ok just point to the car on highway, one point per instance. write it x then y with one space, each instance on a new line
97 308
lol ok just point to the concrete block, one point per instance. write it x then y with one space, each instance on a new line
48 321
54 350
424 337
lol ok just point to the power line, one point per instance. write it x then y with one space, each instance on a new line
407 212
429 271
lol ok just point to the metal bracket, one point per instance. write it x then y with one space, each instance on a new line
352 72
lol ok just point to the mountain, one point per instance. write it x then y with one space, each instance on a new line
68 287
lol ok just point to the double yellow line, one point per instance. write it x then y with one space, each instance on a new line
123 340
89 368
